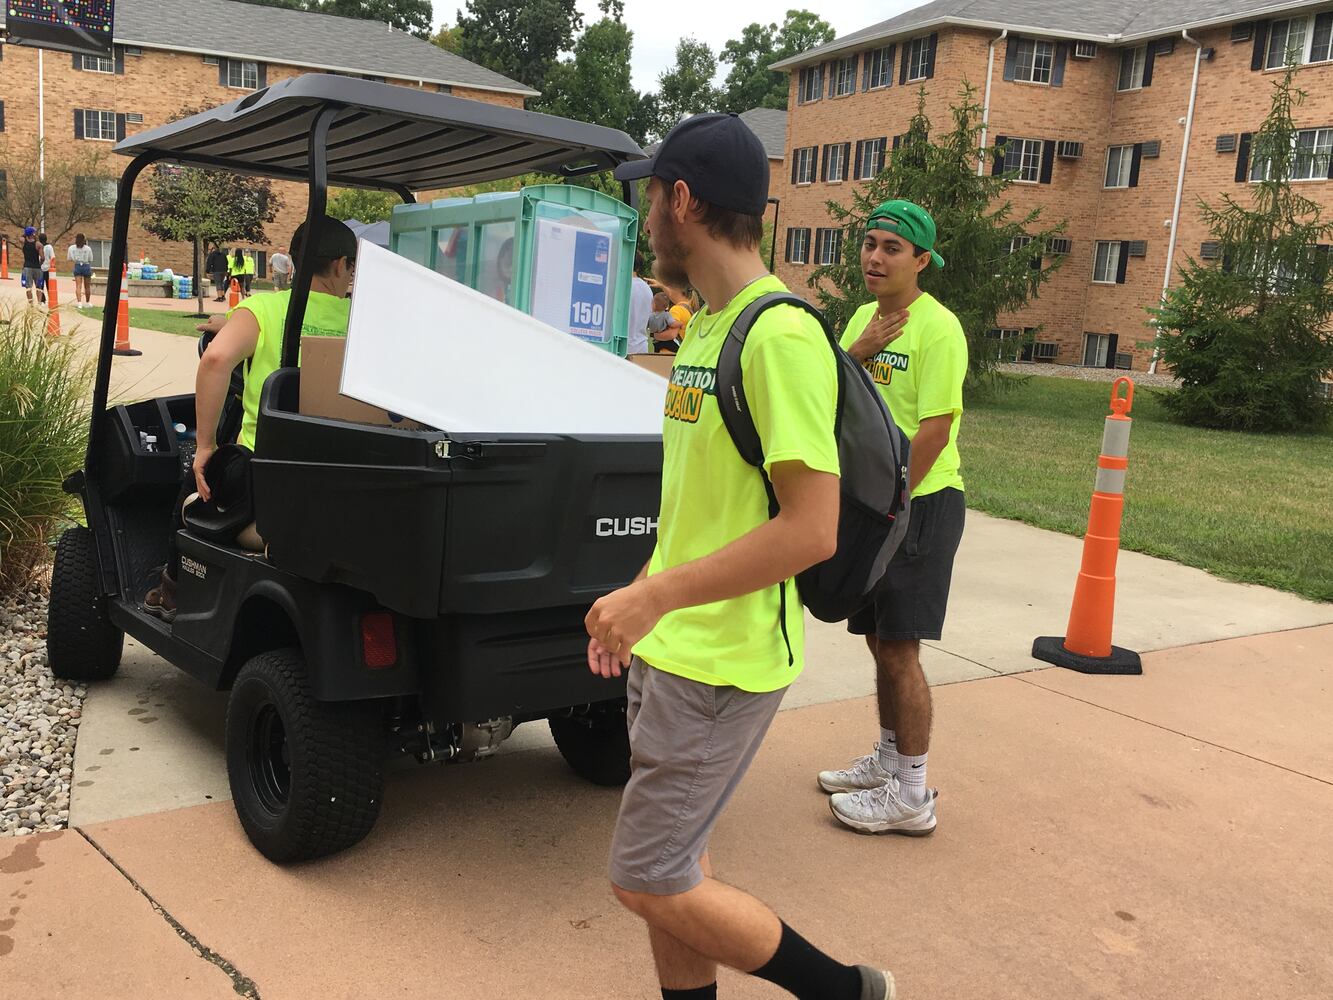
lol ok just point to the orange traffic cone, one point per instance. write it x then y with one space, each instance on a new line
123 347
4 259
1086 646
52 303
234 294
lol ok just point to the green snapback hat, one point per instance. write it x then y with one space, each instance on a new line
910 221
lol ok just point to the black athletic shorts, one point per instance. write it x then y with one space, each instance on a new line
911 599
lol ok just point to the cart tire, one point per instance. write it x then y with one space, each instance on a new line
81 642
596 746
306 776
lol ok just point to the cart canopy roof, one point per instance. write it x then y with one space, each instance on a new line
384 136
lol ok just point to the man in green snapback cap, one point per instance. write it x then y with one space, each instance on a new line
915 351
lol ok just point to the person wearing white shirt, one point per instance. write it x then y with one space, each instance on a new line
640 308
281 263
81 255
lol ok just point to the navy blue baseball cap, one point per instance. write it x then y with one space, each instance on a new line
717 155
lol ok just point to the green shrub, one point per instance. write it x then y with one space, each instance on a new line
44 387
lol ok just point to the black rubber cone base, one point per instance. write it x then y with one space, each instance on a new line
127 352
1051 649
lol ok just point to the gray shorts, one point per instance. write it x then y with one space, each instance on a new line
690 745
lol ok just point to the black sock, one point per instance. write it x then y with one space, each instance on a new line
708 992
807 973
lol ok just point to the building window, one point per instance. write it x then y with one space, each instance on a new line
97 191
1299 40
1023 155
871 160
879 68
1096 347
101 252
99 125
1017 243
97 64
1313 159
444 88
243 74
918 59
835 162
1106 262
811 85
1034 61
844 77
828 246
803 165
798 246
1119 159
1132 62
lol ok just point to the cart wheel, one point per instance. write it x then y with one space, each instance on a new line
596 745
81 642
305 775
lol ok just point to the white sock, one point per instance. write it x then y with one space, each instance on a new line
888 750
912 779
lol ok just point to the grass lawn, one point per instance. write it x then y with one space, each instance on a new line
158 319
1248 507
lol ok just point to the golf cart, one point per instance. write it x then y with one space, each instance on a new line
422 591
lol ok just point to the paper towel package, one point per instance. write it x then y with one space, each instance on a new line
431 349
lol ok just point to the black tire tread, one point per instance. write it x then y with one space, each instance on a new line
597 747
337 775
81 642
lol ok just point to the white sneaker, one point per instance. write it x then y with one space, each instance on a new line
877 984
864 772
882 810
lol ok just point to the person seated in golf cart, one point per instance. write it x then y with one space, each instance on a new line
252 334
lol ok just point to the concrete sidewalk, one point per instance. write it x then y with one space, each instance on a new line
1154 837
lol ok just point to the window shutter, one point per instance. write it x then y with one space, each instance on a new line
1047 160
865 70
930 54
823 167
1011 59
120 127
790 234
1123 264
907 57
120 61
1134 165
1058 70
1243 157
832 68
897 141
222 72
2 116
1112 342
888 76
263 75
795 159
998 168
1260 44
78 123
860 148
1149 58
78 60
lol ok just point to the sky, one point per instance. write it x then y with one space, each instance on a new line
659 24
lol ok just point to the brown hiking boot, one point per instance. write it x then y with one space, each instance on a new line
161 600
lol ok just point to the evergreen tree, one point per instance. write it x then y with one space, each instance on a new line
995 260
1249 336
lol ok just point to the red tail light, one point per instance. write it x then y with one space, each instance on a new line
379 645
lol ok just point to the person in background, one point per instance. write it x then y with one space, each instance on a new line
248 274
663 327
31 277
81 255
281 262
640 308
48 258
236 270
216 267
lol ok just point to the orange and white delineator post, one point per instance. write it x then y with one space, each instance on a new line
4 259
52 303
234 294
122 348
1086 646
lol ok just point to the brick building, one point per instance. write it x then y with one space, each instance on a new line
1096 104
172 54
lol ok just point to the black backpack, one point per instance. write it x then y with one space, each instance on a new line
872 455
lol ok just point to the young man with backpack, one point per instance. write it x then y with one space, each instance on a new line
707 668
918 366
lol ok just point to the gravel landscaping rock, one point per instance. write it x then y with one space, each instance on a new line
1158 381
39 721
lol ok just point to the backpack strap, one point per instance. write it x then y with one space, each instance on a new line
734 407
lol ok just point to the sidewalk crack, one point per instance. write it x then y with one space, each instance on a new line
243 985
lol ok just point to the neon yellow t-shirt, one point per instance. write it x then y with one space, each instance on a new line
325 316
711 496
920 374
249 266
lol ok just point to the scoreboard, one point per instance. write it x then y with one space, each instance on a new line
70 25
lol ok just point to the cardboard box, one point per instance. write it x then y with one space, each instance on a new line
321 374
658 364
